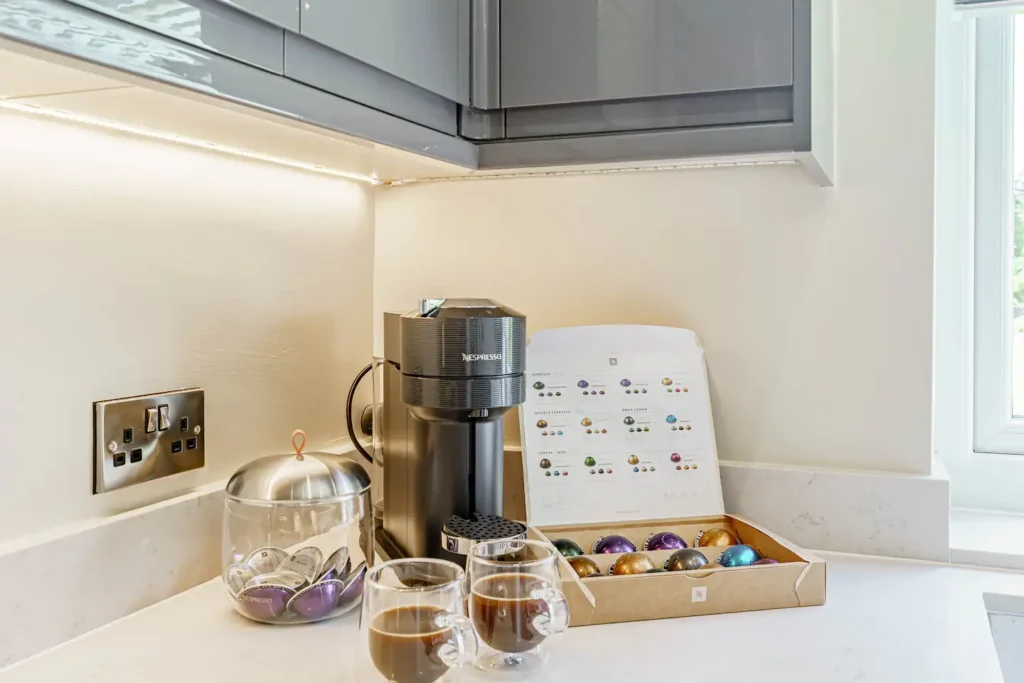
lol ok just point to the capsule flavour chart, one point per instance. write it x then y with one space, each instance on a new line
617 426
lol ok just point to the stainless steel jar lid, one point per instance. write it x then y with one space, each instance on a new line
298 478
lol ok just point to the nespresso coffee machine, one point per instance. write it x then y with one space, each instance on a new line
453 368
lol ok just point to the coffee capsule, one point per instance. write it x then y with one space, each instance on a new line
584 567
715 537
567 548
631 563
664 540
265 560
613 544
264 603
317 601
304 562
289 580
656 570
236 576
685 560
336 566
353 590
738 556
766 560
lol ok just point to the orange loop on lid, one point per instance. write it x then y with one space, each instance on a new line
300 445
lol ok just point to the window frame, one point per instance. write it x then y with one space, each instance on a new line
978 479
996 431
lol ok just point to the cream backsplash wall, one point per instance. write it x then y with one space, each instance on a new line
131 266
814 304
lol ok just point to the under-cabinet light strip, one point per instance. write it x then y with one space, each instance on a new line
594 171
115 126
72 117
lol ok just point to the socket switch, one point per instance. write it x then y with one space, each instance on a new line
140 438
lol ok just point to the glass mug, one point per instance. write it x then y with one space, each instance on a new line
413 627
515 602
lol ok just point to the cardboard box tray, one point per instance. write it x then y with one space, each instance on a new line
797 581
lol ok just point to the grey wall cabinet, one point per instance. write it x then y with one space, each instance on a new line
604 50
283 13
425 42
607 81
487 83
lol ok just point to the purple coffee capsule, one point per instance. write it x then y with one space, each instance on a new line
316 601
664 540
264 603
353 590
336 567
766 560
613 544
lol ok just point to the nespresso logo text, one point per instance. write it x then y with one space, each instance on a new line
480 356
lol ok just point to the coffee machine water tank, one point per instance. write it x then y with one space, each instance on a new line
461 367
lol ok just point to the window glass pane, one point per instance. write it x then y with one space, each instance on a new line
1018 216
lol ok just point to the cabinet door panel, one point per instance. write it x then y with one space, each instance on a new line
207 24
596 50
284 13
421 41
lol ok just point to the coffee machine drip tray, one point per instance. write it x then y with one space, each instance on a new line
458 536
461 534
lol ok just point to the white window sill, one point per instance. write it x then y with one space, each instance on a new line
986 539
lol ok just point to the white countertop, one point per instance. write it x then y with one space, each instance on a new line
885 620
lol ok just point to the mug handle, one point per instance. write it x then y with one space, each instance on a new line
556 620
461 649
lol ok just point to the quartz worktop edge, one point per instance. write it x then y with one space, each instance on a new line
78 578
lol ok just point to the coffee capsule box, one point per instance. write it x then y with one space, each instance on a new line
778 574
635 474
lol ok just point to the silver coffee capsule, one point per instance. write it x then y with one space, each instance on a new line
336 567
265 560
306 562
289 580
236 576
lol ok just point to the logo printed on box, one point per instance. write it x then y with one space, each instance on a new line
699 594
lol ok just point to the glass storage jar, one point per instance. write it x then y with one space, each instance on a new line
297 536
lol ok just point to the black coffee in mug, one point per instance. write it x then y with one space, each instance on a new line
502 611
404 642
